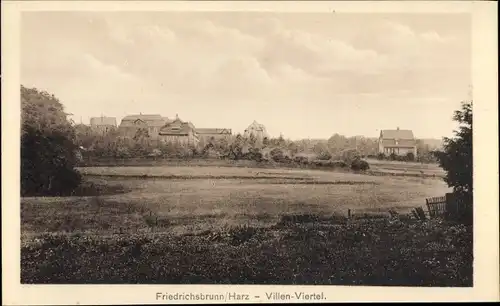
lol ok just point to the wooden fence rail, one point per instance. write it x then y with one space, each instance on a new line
448 206
436 206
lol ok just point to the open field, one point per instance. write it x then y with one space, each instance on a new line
242 226
377 167
408 168
200 198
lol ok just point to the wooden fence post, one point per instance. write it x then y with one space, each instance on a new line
451 207
429 208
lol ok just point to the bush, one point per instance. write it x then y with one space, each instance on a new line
155 153
320 163
324 156
122 152
410 156
381 156
301 160
277 155
329 163
360 165
254 154
339 164
350 155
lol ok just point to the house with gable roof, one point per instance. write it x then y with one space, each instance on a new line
399 142
152 123
103 124
178 131
207 135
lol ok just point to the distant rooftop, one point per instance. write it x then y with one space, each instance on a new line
99 121
397 134
149 119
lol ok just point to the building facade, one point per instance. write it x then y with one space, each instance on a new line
257 130
131 124
399 142
178 131
103 125
208 135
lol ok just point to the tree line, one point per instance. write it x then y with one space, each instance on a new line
112 145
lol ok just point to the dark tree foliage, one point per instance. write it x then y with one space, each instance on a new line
325 155
277 155
48 149
359 165
410 156
456 158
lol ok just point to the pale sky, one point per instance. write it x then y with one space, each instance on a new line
300 74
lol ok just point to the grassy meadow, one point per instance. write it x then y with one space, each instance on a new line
200 198
194 224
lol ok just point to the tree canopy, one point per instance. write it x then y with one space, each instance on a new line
48 149
456 158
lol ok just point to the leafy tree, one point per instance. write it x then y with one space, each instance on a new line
320 148
280 142
48 149
84 135
293 148
456 158
141 134
350 155
337 143
425 153
235 149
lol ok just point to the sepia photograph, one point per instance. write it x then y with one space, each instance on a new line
247 147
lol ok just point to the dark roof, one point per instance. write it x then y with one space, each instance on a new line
149 120
213 131
396 134
177 128
96 121
397 138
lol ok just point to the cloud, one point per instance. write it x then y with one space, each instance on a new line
255 60
203 53
433 36
94 67
403 33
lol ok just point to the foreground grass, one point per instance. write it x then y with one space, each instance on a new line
301 250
